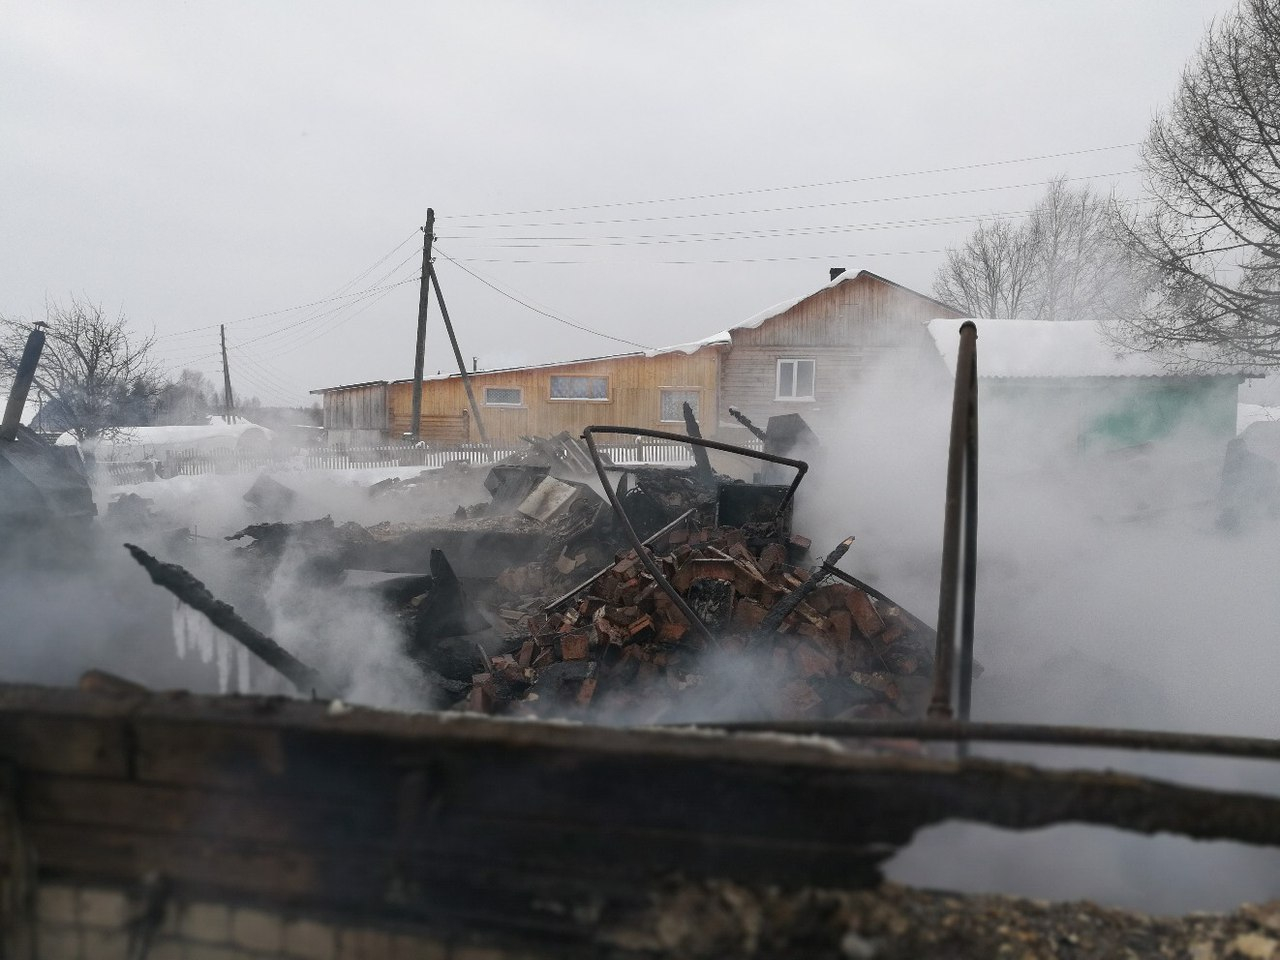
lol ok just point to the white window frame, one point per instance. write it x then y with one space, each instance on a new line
491 403
608 388
697 414
777 379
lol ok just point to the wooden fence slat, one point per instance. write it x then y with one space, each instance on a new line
196 463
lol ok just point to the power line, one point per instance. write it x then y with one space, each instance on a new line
544 313
338 295
722 260
521 243
795 207
803 186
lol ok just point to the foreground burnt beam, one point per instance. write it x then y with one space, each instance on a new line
1248 748
468 818
179 581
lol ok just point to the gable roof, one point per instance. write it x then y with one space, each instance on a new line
779 308
1040 349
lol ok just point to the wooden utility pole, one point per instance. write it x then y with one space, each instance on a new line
457 354
227 405
424 298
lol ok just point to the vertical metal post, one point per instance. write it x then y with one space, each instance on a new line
22 380
959 533
424 299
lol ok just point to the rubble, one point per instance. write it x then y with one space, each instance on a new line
836 653
532 604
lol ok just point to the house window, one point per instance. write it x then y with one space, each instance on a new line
503 397
579 388
673 401
795 379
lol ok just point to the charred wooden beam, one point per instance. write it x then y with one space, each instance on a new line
702 462
792 600
180 582
742 419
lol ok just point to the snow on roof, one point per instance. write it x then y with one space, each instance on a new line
1046 348
213 432
693 346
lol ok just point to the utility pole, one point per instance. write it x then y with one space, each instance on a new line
424 298
227 405
457 355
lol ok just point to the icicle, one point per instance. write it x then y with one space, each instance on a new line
222 645
206 637
243 684
180 629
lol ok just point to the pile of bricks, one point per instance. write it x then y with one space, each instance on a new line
621 644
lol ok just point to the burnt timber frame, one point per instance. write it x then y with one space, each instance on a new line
459 820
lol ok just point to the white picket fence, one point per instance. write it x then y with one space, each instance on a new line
193 463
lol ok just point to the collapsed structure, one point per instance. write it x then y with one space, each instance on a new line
137 823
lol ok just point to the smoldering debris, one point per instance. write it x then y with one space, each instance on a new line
532 604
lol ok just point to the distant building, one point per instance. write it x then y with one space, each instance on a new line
634 389
803 356
809 355
1062 386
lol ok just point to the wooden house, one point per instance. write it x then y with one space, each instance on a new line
636 389
803 356
809 354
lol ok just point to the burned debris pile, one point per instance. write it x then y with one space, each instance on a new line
620 646
535 602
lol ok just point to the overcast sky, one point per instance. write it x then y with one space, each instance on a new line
656 171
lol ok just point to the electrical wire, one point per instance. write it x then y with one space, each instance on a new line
528 306
796 207
762 233
338 295
803 186
722 260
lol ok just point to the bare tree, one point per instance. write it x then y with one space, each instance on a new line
94 376
1063 262
1211 229
991 274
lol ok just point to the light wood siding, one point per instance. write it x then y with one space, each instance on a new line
356 415
635 384
862 330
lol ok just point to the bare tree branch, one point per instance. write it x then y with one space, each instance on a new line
94 375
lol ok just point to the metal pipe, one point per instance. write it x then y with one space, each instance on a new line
954 537
588 436
1251 748
873 592
801 466
641 551
970 583
22 380
652 538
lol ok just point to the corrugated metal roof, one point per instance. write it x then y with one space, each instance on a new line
352 386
